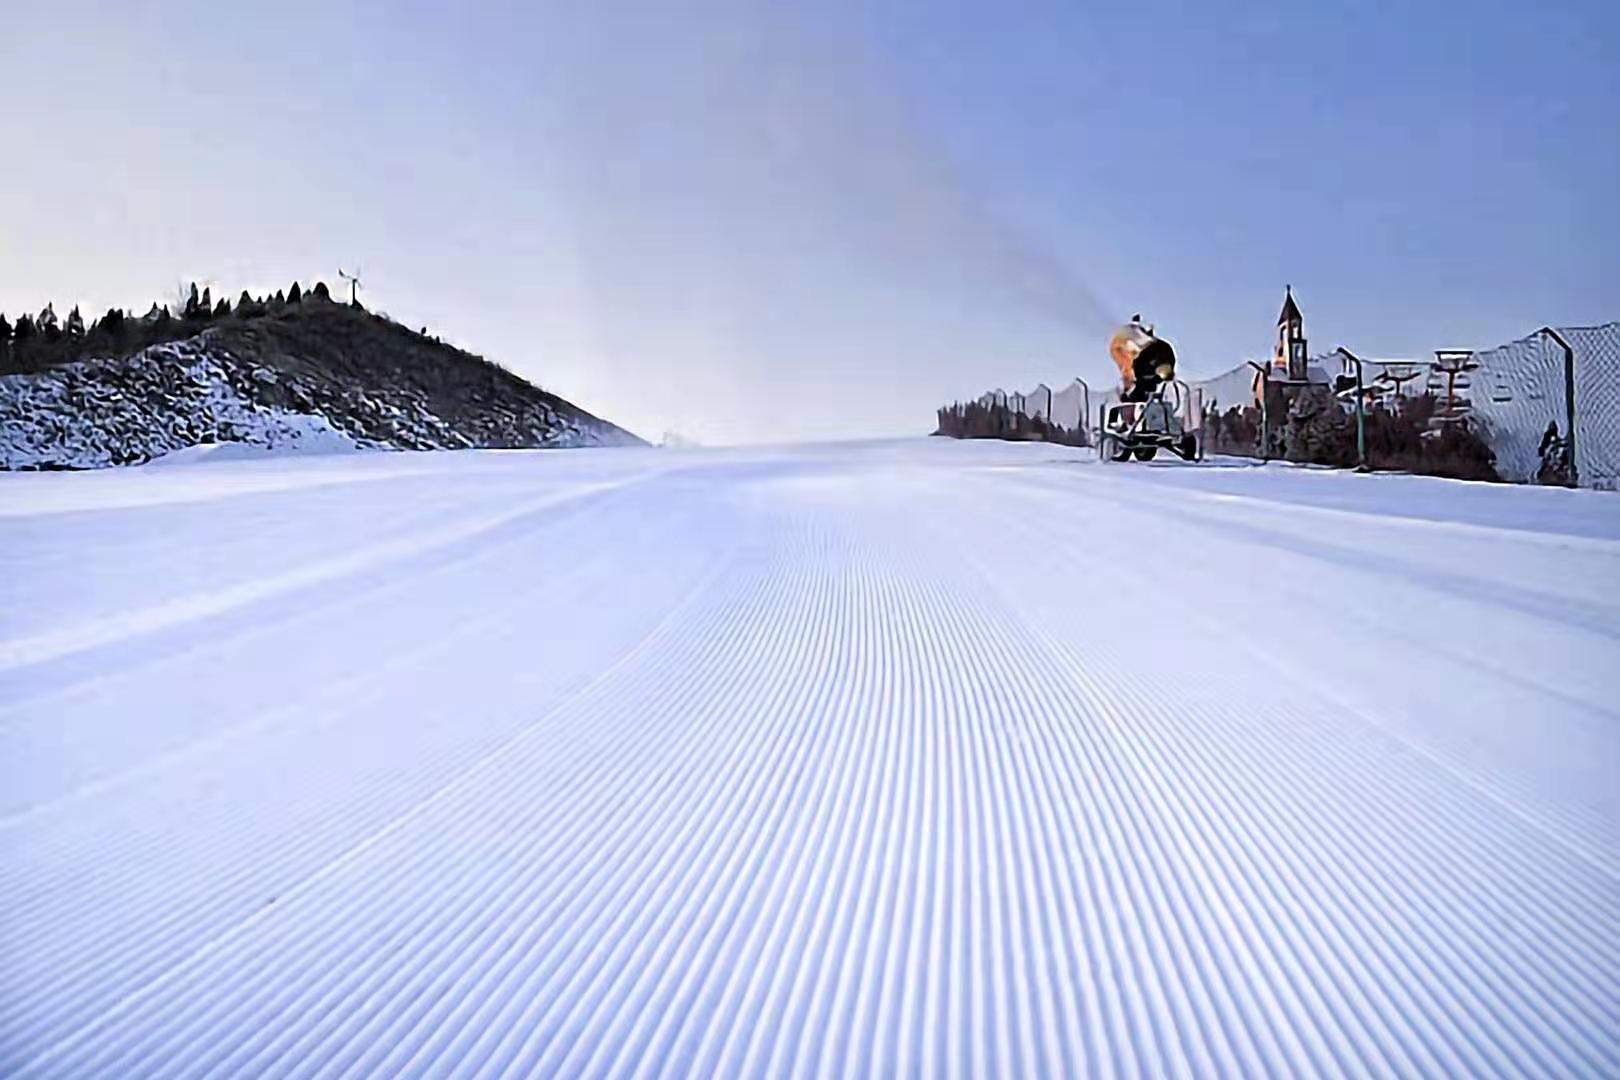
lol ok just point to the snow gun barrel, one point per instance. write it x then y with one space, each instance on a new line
1145 360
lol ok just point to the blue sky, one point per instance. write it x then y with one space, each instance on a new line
747 221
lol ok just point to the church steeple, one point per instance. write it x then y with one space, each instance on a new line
1290 310
1289 356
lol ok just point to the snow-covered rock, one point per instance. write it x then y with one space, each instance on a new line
119 412
200 392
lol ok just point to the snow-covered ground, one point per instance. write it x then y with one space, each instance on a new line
895 758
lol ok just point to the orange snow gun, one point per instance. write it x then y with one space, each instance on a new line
1146 362
1155 410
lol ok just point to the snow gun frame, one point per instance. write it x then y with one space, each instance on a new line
1140 429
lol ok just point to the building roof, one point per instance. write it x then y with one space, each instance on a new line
1290 310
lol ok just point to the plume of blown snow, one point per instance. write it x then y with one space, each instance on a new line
779 134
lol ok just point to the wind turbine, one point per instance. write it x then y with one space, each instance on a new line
354 282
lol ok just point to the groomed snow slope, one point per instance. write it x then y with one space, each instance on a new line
896 758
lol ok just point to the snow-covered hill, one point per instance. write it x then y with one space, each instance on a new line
919 758
319 377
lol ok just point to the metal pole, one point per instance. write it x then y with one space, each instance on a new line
1569 398
1265 409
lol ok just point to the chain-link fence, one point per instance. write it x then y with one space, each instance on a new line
1530 395
1518 398
1522 399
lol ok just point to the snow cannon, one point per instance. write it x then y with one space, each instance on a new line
1155 410
1145 361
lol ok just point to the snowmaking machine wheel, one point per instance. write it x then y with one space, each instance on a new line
1111 448
1145 453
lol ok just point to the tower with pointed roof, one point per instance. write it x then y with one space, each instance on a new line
1288 360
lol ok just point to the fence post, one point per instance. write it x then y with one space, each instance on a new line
1082 423
1569 400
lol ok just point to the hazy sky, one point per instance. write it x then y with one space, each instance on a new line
745 221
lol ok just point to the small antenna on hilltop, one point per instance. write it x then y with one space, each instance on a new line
354 283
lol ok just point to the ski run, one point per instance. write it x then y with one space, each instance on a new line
910 758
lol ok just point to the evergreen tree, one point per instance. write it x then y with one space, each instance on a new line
245 305
280 298
320 292
113 326
5 328
75 323
192 303
24 330
49 327
222 309
293 295
206 306
163 317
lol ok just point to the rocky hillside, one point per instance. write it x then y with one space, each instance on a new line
315 374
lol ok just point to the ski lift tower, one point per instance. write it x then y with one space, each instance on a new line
1353 387
1451 371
